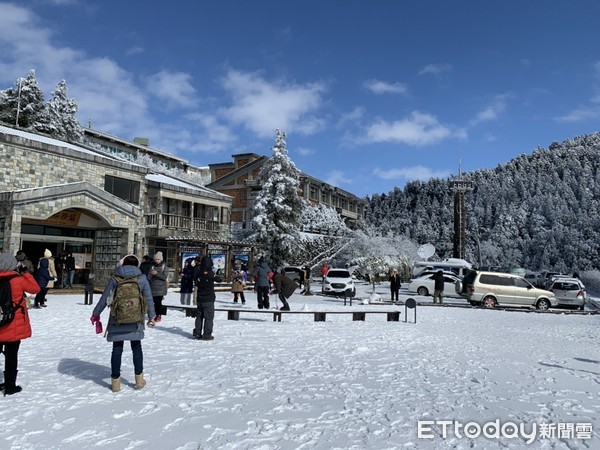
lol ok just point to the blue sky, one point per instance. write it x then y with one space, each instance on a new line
370 93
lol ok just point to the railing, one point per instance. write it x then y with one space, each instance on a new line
155 220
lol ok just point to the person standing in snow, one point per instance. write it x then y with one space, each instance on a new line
324 270
438 287
158 277
51 268
204 278
186 285
263 284
238 283
128 267
284 288
43 278
70 267
395 284
13 333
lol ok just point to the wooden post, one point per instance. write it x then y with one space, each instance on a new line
233 315
393 316
359 316
320 316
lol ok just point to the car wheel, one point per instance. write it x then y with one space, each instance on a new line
422 291
543 304
489 302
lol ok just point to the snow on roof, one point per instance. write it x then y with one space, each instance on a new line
50 141
165 179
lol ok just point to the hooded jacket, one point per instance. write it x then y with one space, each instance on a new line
262 274
20 327
42 274
126 331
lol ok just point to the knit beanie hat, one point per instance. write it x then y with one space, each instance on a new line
158 256
7 262
47 254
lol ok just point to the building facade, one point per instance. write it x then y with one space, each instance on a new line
237 179
75 199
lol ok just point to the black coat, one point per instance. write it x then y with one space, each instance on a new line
204 277
395 282
438 278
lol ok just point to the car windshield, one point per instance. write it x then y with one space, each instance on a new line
338 274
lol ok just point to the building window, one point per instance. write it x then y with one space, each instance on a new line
313 193
127 190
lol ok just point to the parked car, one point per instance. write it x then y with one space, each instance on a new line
544 277
294 272
338 282
425 285
569 292
491 289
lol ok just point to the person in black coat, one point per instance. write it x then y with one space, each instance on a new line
395 284
205 281
438 287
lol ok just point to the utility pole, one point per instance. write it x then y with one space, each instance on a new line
18 102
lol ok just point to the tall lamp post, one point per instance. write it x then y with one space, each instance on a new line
460 186
18 102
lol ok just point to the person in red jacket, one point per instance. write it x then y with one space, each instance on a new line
14 332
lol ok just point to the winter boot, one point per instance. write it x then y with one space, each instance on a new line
260 305
208 337
285 307
139 381
266 305
10 387
115 384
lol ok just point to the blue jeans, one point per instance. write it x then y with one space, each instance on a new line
117 352
70 277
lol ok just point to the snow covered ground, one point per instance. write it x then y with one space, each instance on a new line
310 385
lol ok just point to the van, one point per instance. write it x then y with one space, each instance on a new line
490 289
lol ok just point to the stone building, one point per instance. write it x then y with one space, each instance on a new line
75 199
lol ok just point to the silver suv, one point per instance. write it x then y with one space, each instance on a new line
491 289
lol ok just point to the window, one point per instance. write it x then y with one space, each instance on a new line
127 190
520 283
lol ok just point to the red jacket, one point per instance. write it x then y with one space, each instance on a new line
20 327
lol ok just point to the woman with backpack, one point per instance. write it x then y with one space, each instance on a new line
118 333
19 328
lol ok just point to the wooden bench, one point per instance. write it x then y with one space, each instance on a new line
319 316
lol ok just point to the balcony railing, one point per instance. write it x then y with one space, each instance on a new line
155 220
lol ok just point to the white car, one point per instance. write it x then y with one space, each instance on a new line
425 285
338 282
569 292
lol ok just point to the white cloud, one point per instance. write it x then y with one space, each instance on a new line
382 87
336 178
263 106
418 129
580 114
305 151
173 88
492 111
137 50
411 173
350 117
435 69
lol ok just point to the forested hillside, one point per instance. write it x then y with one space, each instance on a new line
539 211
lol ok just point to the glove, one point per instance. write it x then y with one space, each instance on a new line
94 319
